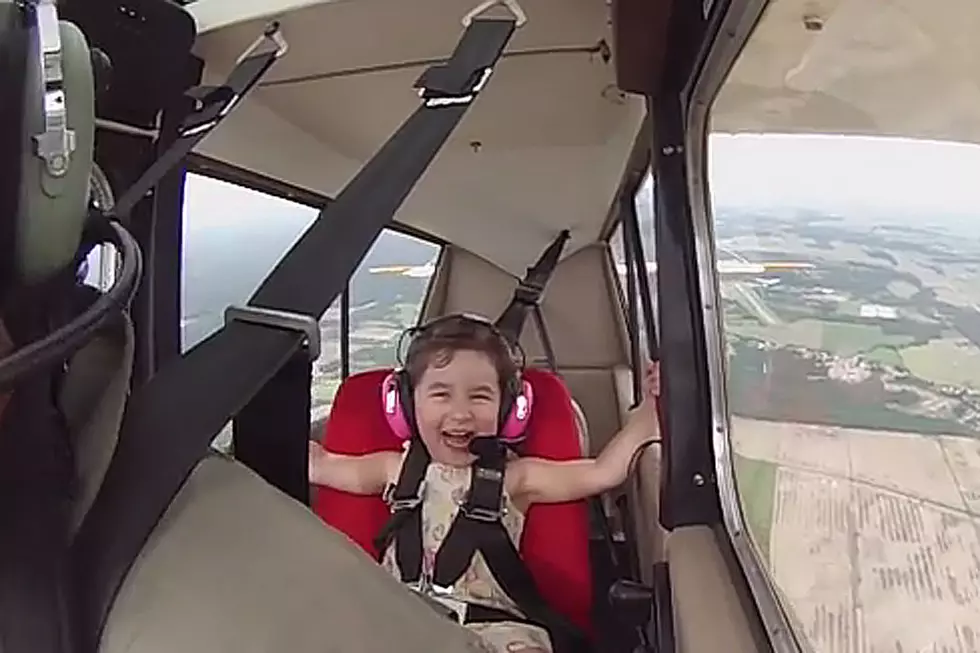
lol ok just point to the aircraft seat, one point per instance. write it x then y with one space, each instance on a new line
555 542
582 423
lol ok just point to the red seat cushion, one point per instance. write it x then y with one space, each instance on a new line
555 542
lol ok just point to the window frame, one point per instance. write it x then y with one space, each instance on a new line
737 21
636 300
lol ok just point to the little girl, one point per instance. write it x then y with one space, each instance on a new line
459 370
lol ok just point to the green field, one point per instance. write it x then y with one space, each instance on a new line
756 481
885 355
945 361
841 338
324 389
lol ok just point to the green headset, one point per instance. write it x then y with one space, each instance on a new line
47 139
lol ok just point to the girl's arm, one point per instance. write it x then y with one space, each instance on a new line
536 480
365 474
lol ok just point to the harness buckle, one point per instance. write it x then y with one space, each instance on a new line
482 513
404 503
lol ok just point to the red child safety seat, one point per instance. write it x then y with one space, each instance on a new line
555 541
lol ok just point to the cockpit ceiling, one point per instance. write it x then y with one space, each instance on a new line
543 149
874 67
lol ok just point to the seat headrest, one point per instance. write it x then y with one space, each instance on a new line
44 206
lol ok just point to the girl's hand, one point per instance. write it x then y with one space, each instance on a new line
317 458
643 418
651 381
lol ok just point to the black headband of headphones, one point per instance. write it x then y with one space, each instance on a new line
419 333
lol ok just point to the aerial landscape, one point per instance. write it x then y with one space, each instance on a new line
854 388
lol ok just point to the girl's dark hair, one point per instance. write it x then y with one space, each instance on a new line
437 343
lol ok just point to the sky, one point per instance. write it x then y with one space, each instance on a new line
845 173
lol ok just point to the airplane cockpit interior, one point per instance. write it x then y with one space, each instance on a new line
225 225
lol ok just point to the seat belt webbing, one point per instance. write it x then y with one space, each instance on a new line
527 296
170 421
271 433
213 103
405 524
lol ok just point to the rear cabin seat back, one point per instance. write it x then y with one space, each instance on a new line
582 423
555 542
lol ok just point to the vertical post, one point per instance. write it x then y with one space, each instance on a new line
168 236
631 224
345 332
689 490
632 314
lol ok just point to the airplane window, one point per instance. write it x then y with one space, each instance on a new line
100 271
233 237
386 297
850 281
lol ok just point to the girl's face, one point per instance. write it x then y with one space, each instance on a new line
455 403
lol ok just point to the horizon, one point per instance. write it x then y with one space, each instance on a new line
860 176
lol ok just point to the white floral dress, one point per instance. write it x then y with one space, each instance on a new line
445 491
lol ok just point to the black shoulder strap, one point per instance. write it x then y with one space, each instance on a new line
527 296
405 524
211 105
478 527
171 420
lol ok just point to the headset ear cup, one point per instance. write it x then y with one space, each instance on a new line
393 407
514 425
406 399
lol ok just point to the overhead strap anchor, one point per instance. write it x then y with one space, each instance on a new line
210 106
515 9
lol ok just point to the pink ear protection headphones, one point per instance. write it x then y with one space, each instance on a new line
397 400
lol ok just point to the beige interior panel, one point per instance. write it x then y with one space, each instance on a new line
708 615
594 391
527 160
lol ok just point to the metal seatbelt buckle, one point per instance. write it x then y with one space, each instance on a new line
434 98
403 503
306 325
457 609
482 514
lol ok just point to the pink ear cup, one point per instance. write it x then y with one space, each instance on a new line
514 427
391 405
515 424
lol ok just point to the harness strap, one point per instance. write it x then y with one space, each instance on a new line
476 528
405 524
171 420
527 296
